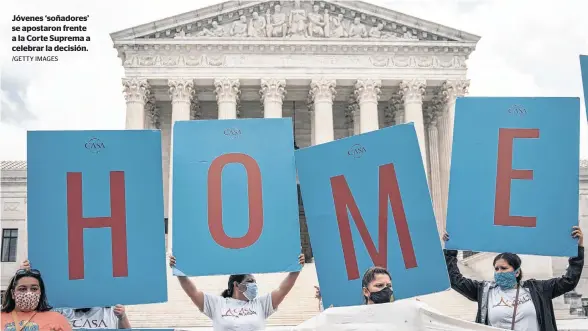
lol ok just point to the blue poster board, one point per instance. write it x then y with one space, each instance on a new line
514 175
584 70
367 203
234 197
95 216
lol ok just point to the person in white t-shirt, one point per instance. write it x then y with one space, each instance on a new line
97 317
238 308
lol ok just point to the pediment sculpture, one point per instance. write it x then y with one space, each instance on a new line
299 22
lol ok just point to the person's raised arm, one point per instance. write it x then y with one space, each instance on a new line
557 286
121 315
466 287
286 285
188 286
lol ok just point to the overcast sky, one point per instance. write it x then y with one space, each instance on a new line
528 48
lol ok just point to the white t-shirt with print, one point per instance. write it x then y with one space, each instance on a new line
95 318
501 308
228 314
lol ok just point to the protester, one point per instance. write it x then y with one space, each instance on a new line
376 287
25 305
92 318
238 307
507 297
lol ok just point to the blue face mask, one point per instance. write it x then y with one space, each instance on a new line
506 280
251 292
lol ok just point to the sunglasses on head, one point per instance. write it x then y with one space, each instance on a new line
33 272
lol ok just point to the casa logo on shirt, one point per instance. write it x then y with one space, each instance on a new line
89 324
238 312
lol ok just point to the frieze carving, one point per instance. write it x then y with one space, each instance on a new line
242 60
297 19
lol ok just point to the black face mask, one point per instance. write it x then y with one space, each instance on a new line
382 296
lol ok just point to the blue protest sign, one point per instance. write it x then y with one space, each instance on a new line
584 70
234 197
367 203
514 175
95 216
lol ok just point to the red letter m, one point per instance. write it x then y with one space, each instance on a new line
388 191
76 224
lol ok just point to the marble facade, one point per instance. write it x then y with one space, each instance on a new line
338 68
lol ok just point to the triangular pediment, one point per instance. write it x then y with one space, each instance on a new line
335 19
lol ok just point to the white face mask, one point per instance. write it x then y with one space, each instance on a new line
251 291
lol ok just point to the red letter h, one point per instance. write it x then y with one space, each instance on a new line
76 224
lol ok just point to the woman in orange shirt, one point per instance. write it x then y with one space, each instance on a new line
25 305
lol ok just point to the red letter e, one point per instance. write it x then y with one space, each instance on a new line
505 174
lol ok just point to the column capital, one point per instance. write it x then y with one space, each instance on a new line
227 90
181 90
322 90
455 88
368 90
273 90
412 91
136 90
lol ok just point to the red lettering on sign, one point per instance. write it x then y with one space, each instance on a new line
215 204
504 176
388 190
76 223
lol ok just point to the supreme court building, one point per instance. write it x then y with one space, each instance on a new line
338 68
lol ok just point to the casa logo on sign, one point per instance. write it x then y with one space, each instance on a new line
232 133
94 145
356 151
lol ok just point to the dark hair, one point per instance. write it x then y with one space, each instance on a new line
82 310
513 260
228 292
370 275
8 304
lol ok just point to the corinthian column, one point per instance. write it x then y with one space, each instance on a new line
153 114
445 98
136 92
227 96
412 93
367 93
181 92
435 174
322 93
272 94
